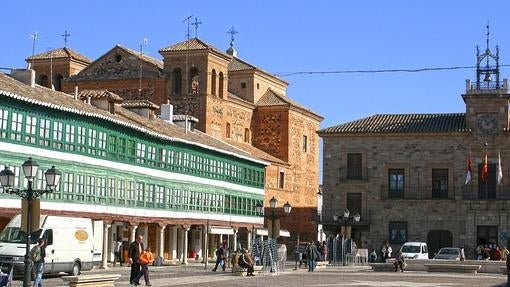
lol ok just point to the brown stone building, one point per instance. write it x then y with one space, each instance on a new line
233 100
405 174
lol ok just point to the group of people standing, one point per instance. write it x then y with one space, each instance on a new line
242 259
491 252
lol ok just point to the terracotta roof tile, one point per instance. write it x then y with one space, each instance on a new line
144 57
60 53
139 103
272 98
403 123
47 98
99 94
239 65
194 44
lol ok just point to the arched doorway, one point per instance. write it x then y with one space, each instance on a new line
436 239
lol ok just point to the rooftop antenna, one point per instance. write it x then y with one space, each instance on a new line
187 51
196 23
34 37
65 35
144 43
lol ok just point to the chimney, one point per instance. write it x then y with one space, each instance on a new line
26 76
167 112
75 92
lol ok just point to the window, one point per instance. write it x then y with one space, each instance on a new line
396 183
176 82
82 139
213 82
42 80
140 152
243 85
439 183
57 82
102 144
91 188
112 144
220 89
30 129
151 153
44 132
247 135
354 166
305 143
4 114
68 185
111 190
58 129
69 137
354 203
398 232
227 130
80 187
281 180
92 141
131 150
16 126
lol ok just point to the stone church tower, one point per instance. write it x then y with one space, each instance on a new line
234 101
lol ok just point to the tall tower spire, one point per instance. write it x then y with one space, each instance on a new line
487 77
231 50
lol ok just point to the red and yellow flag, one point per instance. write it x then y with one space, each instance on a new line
485 168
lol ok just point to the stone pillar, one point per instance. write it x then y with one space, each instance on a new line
234 240
205 247
174 242
249 240
161 241
104 258
132 234
185 229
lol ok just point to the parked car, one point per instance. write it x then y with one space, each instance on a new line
448 253
415 250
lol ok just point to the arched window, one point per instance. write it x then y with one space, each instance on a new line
57 82
220 90
176 82
227 131
213 82
247 135
194 86
43 80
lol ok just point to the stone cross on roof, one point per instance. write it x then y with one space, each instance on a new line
196 23
65 35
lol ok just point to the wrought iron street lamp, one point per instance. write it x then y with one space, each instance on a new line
273 203
346 220
30 168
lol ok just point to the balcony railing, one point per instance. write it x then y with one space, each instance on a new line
352 174
465 192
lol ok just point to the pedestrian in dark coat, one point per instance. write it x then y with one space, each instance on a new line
135 249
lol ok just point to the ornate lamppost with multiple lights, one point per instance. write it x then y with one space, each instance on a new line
7 178
345 222
273 202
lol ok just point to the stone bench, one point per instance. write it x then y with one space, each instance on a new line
503 269
457 268
96 280
383 267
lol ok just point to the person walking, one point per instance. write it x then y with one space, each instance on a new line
135 250
117 252
37 254
220 256
312 254
144 260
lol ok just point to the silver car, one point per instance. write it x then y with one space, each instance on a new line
448 253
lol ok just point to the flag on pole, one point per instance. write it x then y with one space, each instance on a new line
485 168
499 172
469 171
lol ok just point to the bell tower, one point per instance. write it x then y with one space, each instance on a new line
487 100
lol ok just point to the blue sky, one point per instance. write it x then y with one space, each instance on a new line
289 36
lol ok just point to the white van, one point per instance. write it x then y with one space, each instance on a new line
72 244
415 250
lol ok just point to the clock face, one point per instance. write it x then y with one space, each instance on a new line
487 123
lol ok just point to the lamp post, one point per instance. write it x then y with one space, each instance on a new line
7 177
273 203
346 220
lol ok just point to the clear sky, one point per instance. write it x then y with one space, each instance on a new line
289 36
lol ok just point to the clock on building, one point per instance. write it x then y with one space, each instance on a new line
487 123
